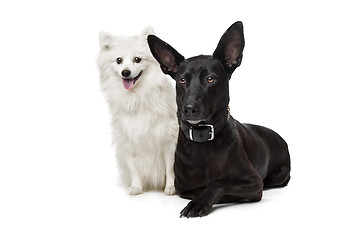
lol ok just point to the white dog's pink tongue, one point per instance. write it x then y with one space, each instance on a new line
128 83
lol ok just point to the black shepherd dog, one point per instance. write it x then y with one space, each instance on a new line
218 159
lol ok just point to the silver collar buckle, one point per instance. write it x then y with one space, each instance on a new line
211 132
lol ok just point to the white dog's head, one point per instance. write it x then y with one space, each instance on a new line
125 58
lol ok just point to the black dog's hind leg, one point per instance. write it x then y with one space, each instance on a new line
278 179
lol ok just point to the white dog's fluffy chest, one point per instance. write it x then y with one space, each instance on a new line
144 128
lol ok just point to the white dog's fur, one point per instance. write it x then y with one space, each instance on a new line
144 119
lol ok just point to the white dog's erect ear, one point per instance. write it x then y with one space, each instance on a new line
230 48
148 30
166 55
105 40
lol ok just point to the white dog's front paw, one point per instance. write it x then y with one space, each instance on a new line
170 190
135 190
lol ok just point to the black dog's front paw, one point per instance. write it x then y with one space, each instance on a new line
196 209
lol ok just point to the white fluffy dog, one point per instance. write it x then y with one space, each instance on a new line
143 109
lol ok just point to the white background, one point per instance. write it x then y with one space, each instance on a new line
300 74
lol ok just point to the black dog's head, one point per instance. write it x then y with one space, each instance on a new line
202 82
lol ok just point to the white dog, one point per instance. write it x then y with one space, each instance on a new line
143 108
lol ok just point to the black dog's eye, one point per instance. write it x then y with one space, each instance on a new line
210 79
182 80
119 60
137 59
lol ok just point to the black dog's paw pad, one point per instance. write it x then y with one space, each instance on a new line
195 209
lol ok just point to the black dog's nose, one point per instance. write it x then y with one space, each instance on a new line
191 110
126 73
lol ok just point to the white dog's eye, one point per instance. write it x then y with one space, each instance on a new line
119 60
137 59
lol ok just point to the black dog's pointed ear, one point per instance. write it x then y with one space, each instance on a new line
166 55
230 47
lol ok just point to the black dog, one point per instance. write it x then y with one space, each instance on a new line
217 159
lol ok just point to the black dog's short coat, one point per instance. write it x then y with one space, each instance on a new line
218 160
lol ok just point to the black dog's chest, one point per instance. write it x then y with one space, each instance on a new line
199 164
197 175
203 162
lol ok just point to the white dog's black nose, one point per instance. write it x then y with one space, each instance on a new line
126 73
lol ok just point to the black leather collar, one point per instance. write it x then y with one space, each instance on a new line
204 132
